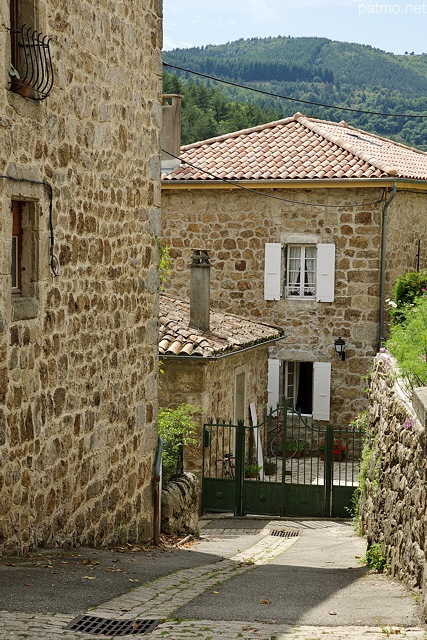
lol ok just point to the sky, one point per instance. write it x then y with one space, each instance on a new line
396 26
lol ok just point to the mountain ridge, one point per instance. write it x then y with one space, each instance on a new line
319 70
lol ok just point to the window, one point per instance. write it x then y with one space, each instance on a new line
22 17
309 272
305 385
16 246
24 270
31 71
300 272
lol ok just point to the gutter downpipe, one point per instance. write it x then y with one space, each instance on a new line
157 492
383 262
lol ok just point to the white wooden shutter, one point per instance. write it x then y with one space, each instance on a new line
321 390
325 273
272 271
273 383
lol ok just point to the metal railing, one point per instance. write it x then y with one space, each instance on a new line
34 76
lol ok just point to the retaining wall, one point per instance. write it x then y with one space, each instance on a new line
393 508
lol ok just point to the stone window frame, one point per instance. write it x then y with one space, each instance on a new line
33 203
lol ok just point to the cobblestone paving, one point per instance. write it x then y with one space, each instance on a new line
160 598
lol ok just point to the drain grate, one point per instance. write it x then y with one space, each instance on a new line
106 626
284 533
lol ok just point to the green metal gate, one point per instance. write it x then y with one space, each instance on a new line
285 466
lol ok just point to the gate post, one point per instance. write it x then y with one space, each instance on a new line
240 468
329 469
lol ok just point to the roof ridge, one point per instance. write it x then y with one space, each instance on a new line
235 134
345 125
315 125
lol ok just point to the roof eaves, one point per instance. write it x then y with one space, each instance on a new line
216 355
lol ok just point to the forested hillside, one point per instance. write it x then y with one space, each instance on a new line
313 69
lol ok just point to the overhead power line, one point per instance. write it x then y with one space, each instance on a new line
278 95
268 195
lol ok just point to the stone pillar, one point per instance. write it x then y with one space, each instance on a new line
200 290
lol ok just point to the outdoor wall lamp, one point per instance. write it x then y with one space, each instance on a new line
340 348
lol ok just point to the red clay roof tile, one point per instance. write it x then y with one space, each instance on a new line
228 332
299 147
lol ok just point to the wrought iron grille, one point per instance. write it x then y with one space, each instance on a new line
34 76
284 533
107 627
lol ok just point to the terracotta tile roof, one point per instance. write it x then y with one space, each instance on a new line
228 332
299 148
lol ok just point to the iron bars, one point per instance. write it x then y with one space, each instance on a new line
33 76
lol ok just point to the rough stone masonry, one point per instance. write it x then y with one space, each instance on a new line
78 351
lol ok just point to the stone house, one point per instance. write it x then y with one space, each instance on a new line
307 223
211 359
79 216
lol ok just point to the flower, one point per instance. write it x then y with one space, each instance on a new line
408 424
391 303
339 448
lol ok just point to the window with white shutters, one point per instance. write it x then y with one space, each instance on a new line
309 272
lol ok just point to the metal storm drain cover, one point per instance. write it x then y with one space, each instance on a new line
284 533
108 627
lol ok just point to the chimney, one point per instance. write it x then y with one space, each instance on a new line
200 290
170 137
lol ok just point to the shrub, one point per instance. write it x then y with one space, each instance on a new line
405 292
177 427
375 557
408 343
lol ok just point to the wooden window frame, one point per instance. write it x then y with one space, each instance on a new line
304 286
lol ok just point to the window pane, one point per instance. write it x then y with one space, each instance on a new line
301 271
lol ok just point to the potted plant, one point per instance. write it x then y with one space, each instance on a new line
252 470
339 450
295 448
270 468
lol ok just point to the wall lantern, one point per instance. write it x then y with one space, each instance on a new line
340 348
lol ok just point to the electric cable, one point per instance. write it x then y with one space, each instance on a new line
268 195
278 95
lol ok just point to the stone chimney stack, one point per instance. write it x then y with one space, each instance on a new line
200 290
171 131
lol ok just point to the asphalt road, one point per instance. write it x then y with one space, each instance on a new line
317 581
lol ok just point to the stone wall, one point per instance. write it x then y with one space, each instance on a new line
234 225
405 227
180 505
78 353
393 510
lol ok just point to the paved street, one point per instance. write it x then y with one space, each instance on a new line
244 579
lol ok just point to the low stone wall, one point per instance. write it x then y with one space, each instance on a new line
180 501
393 507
